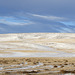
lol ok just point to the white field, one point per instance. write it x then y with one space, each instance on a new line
37 45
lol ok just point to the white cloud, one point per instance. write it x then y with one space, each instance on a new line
14 23
50 17
72 23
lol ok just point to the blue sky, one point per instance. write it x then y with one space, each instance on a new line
30 16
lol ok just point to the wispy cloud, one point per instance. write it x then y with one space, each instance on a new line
14 22
49 17
72 23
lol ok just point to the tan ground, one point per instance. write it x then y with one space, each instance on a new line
67 65
64 42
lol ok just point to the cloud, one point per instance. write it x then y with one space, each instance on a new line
48 15
14 21
55 18
69 23
64 8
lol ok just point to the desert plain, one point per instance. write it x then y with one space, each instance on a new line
37 54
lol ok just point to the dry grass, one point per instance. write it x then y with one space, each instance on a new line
5 52
34 51
67 65
54 40
51 60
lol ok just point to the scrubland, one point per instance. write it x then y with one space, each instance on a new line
37 53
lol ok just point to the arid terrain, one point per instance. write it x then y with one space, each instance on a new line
37 54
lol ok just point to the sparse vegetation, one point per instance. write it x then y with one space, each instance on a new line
60 48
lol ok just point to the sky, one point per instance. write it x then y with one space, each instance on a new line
37 16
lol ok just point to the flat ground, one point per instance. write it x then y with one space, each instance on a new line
37 53
37 66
